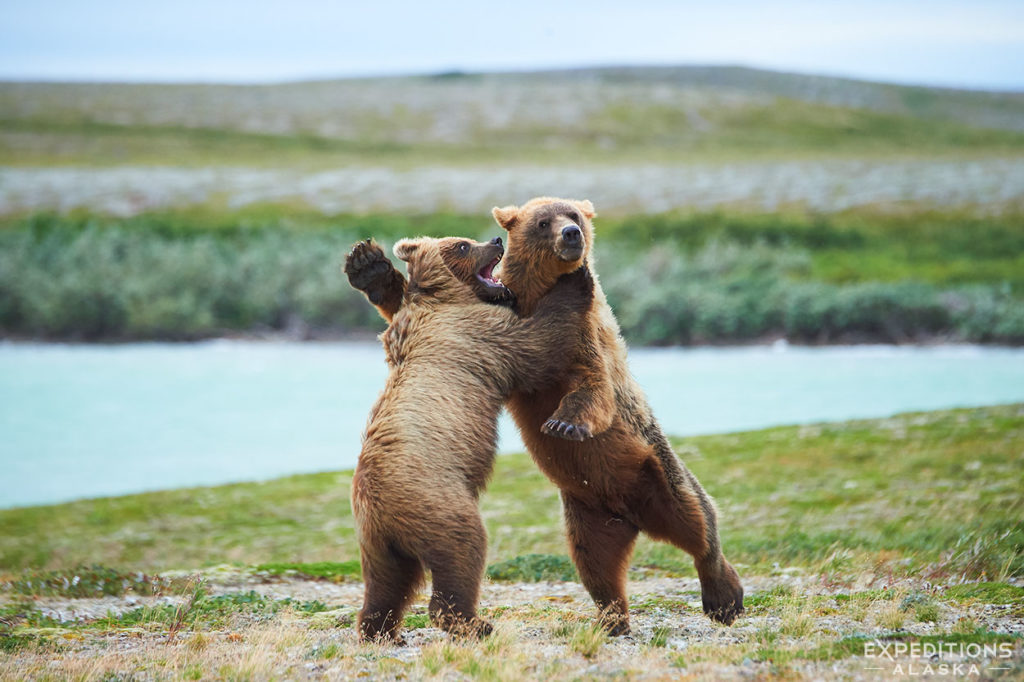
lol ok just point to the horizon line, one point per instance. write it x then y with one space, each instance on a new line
456 71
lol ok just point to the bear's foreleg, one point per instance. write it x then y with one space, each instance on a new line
587 409
601 545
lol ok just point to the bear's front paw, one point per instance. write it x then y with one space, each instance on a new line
566 430
505 297
366 265
581 280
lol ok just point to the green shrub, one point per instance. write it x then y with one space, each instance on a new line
671 279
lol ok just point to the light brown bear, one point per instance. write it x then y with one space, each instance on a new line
617 473
454 357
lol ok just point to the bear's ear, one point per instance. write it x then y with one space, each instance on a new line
507 216
587 208
405 248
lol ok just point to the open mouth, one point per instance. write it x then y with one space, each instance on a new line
486 274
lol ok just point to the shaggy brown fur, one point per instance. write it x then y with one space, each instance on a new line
626 478
616 470
429 445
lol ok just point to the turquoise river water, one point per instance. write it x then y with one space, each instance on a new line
91 420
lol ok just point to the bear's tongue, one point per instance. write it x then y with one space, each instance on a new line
486 273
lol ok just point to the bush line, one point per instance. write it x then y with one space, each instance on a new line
672 279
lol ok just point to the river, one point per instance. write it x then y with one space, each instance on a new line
92 420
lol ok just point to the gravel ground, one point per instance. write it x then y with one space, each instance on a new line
528 636
829 185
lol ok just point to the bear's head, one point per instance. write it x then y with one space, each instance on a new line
547 237
453 269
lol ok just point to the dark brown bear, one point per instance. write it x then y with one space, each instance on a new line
428 450
616 470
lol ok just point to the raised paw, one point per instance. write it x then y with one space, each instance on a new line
366 265
566 430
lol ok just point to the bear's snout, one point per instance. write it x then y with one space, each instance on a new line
572 235
496 241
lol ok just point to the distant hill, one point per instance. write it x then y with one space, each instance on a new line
656 114
981 108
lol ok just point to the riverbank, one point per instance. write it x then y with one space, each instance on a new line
672 279
850 537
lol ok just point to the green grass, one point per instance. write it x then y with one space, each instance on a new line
933 495
855 645
93 581
671 278
988 593
199 611
328 570
859 489
533 568
287 520
414 621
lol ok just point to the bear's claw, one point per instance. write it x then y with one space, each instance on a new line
561 429
506 297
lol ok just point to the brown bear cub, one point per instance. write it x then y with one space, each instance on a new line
617 473
429 446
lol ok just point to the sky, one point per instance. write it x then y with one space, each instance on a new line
960 44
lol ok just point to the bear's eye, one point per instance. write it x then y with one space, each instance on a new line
545 224
464 248
573 217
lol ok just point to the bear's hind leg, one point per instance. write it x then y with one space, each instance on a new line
391 580
721 590
678 510
456 563
601 544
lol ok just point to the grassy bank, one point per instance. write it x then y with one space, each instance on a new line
671 278
849 537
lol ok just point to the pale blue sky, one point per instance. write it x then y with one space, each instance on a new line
974 44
